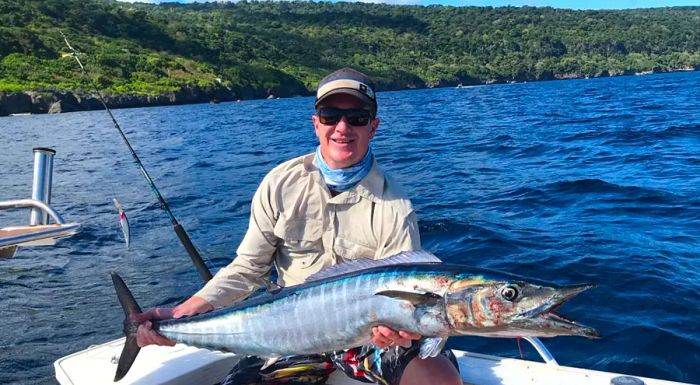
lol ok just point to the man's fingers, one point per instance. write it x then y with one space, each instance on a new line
378 339
383 336
141 317
409 335
160 313
388 332
160 340
153 339
145 335
394 335
142 334
154 314
381 342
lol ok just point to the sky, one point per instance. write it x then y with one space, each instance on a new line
571 4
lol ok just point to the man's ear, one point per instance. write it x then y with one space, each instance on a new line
314 119
373 127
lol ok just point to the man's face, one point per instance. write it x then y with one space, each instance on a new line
343 144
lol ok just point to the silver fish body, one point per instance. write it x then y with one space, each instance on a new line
319 317
337 308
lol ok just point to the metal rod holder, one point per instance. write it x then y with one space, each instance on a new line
41 183
542 350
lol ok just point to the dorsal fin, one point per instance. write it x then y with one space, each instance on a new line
406 257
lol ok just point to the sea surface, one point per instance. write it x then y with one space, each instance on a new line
567 181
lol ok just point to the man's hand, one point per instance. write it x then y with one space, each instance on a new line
145 335
383 337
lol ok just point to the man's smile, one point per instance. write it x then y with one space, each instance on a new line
342 141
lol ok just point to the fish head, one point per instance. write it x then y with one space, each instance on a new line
512 308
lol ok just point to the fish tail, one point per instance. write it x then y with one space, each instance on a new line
131 308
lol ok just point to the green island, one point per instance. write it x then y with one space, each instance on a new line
145 54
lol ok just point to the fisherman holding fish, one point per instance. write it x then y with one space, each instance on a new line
314 211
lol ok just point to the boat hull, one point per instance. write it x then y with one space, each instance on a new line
186 365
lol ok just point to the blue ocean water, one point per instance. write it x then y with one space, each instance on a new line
570 181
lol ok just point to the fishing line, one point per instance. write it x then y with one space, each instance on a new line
204 272
520 348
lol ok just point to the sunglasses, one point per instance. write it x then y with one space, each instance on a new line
355 117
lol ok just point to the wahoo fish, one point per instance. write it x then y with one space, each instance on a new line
123 221
336 308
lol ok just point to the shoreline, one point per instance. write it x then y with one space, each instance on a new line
62 101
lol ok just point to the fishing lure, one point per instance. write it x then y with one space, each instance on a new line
123 221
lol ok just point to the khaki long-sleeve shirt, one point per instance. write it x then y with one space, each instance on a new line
299 227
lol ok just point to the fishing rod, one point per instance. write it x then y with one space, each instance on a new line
179 230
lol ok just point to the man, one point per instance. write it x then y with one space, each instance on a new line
318 210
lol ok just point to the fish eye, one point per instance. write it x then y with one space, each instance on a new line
509 293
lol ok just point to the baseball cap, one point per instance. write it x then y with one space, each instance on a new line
348 81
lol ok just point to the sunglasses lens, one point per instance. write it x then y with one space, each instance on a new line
329 119
358 120
355 117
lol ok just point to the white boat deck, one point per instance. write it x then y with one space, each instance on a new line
184 365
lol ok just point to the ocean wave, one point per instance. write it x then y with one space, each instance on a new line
419 134
647 340
599 186
680 132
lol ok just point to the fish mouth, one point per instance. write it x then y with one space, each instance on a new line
559 323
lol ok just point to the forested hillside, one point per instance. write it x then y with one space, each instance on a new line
253 49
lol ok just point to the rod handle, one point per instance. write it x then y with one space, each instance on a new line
192 251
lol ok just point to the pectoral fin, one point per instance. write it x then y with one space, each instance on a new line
432 346
414 298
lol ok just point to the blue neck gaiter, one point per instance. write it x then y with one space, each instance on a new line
345 178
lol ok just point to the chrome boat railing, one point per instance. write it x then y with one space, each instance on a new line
39 232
